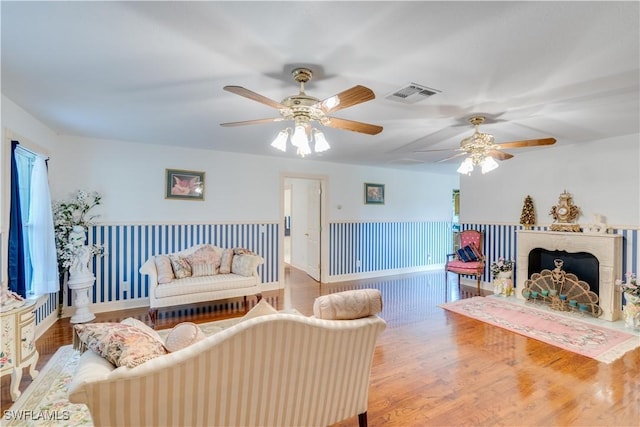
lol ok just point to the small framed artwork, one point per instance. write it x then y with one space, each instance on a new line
373 194
184 185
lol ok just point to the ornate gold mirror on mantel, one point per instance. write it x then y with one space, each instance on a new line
562 291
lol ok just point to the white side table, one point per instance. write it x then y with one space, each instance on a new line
18 348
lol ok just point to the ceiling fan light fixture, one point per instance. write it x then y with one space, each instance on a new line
488 164
305 110
466 167
321 141
304 149
280 142
331 102
299 137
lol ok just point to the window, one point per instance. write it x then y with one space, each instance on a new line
36 253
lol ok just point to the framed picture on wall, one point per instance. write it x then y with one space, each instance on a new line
373 194
184 185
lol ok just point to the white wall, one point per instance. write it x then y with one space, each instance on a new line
238 187
603 177
19 125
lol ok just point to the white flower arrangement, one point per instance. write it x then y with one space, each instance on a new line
630 286
70 214
500 266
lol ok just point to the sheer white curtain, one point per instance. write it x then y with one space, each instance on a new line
42 245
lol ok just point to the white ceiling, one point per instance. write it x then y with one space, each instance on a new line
153 72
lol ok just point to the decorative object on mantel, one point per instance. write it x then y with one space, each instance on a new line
631 293
599 226
528 215
73 217
562 291
565 214
502 273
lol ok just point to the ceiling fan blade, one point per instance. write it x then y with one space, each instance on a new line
239 90
500 155
464 153
351 125
252 122
438 149
528 143
348 98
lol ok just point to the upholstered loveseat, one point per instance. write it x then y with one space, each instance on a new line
200 273
277 369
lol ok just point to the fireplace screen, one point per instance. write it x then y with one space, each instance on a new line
561 291
583 264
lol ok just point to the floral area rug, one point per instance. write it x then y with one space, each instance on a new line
600 343
45 401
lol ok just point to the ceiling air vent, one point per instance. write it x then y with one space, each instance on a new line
412 93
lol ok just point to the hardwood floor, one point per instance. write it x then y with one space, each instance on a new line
436 368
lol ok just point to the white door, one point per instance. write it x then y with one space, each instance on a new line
313 229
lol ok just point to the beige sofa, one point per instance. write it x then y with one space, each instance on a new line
240 279
272 370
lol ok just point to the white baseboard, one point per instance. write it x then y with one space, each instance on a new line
46 323
474 283
383 273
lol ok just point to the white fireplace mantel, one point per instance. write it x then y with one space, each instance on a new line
607 248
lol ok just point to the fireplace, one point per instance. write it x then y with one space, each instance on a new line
584 265
603 250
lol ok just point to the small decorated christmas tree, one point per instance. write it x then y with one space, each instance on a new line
528 215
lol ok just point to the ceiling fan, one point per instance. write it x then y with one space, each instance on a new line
481 148
304 109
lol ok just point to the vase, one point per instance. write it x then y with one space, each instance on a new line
631 311
631 299
502 283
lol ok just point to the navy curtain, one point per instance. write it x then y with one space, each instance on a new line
16 244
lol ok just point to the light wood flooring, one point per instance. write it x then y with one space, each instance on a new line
436 368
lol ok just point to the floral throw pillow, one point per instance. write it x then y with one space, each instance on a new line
204 262
120 344
181 267
131 321
243 251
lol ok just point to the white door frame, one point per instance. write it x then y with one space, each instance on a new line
324 235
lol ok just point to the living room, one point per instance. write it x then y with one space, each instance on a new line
243 190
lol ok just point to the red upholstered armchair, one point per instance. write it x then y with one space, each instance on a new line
469 259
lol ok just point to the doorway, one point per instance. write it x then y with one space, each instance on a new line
303 213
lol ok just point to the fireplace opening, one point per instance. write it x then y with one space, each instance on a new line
583 264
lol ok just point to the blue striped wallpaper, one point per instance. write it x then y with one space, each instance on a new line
127 247
47 307
379 246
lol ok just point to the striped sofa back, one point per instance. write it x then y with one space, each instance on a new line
275 370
